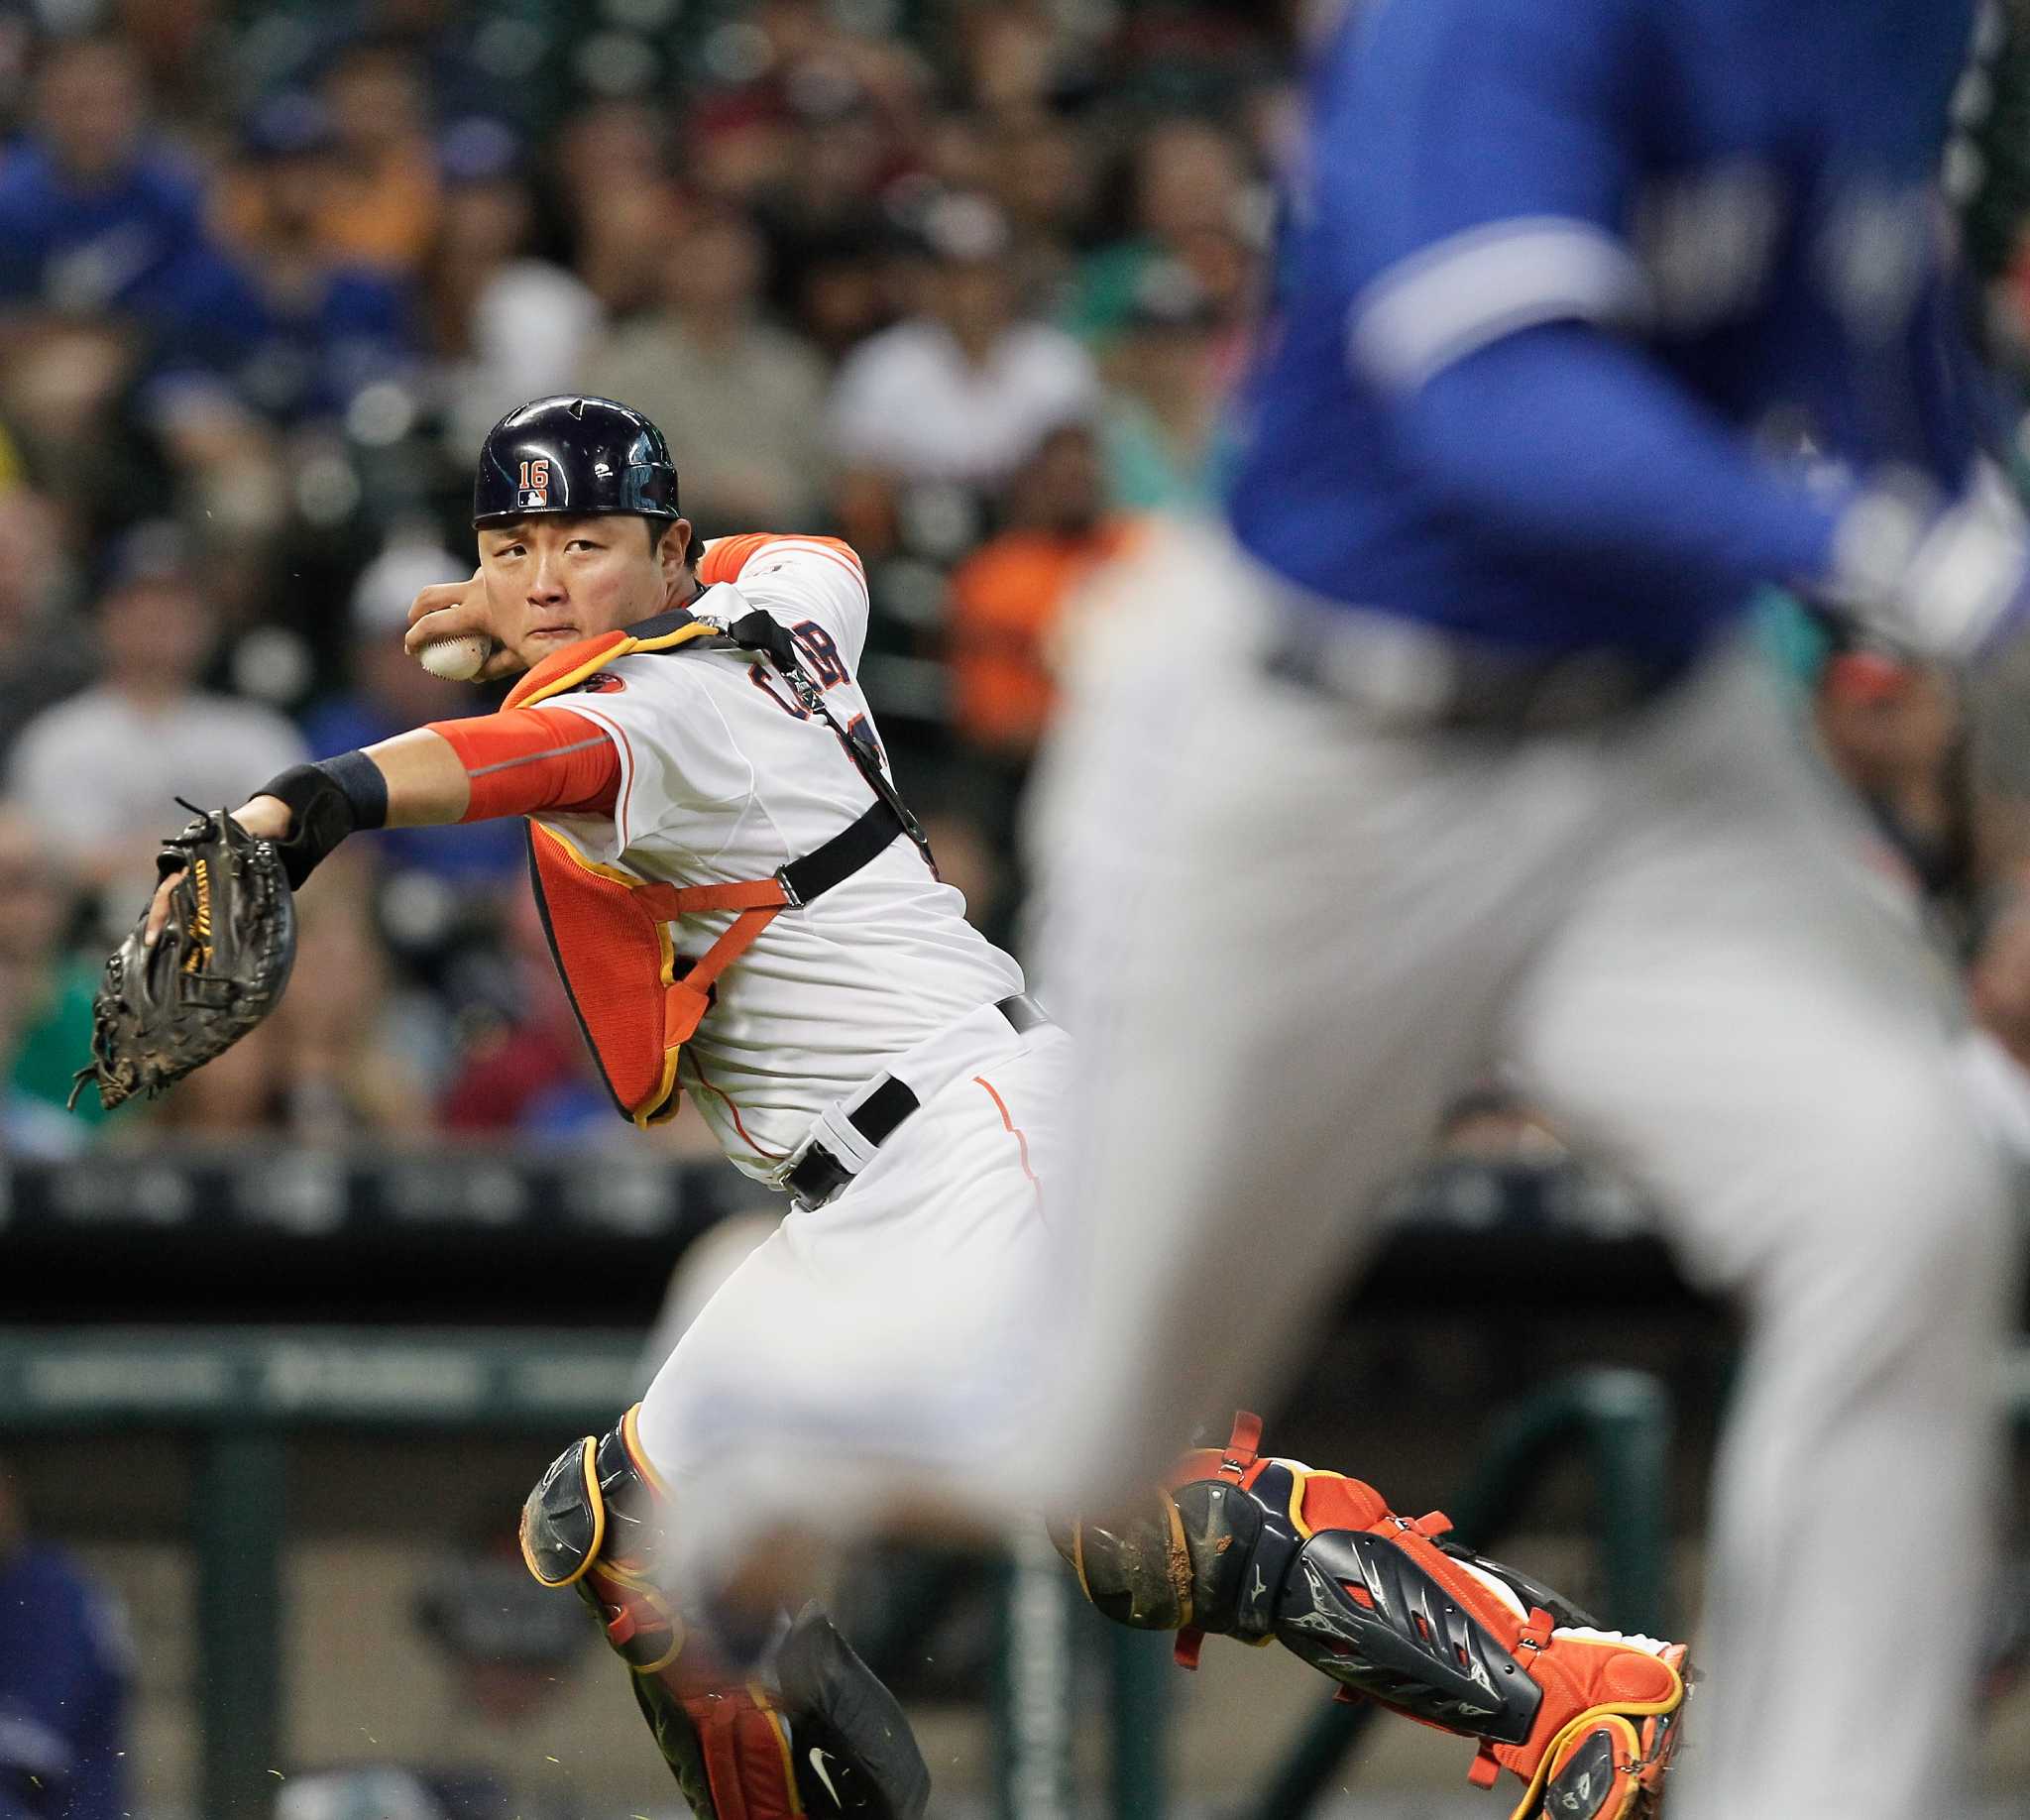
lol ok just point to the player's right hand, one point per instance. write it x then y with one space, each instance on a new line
1948 580
448 610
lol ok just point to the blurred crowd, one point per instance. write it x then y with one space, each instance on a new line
960 282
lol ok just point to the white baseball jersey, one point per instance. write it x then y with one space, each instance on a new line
724 777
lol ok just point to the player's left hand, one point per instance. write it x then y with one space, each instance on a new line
266 818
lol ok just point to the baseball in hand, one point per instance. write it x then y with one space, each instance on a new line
457 660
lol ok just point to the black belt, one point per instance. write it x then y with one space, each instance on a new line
819 1174
1470 687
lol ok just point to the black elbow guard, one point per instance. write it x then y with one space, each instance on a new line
327 800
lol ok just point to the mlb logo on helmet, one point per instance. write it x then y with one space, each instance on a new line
534 492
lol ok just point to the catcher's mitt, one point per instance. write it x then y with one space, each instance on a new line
216 969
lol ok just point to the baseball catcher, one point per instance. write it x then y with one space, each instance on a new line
742 908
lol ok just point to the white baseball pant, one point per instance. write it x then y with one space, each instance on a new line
1283 937
884 1348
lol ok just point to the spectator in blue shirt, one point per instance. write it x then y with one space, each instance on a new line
94 215
304 330
65 1667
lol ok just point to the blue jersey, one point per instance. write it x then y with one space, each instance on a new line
119 245
63 1675
294 357
1559 277
308 356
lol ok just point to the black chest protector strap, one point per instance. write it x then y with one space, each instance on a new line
854 847
763 632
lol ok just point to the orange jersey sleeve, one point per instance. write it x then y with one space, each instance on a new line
524 759
726 557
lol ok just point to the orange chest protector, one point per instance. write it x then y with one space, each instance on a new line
636 998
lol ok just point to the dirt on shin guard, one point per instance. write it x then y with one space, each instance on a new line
1135 1568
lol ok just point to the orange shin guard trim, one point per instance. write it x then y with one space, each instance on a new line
784 1756
1180 1557
1332 1500
1079 1558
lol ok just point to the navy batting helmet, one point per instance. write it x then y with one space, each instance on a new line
578 455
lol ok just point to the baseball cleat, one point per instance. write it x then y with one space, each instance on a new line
1610 1766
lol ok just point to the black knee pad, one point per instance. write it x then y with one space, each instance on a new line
1241 1544
1208 1556
592 1503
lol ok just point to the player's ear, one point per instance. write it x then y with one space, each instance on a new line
673 555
